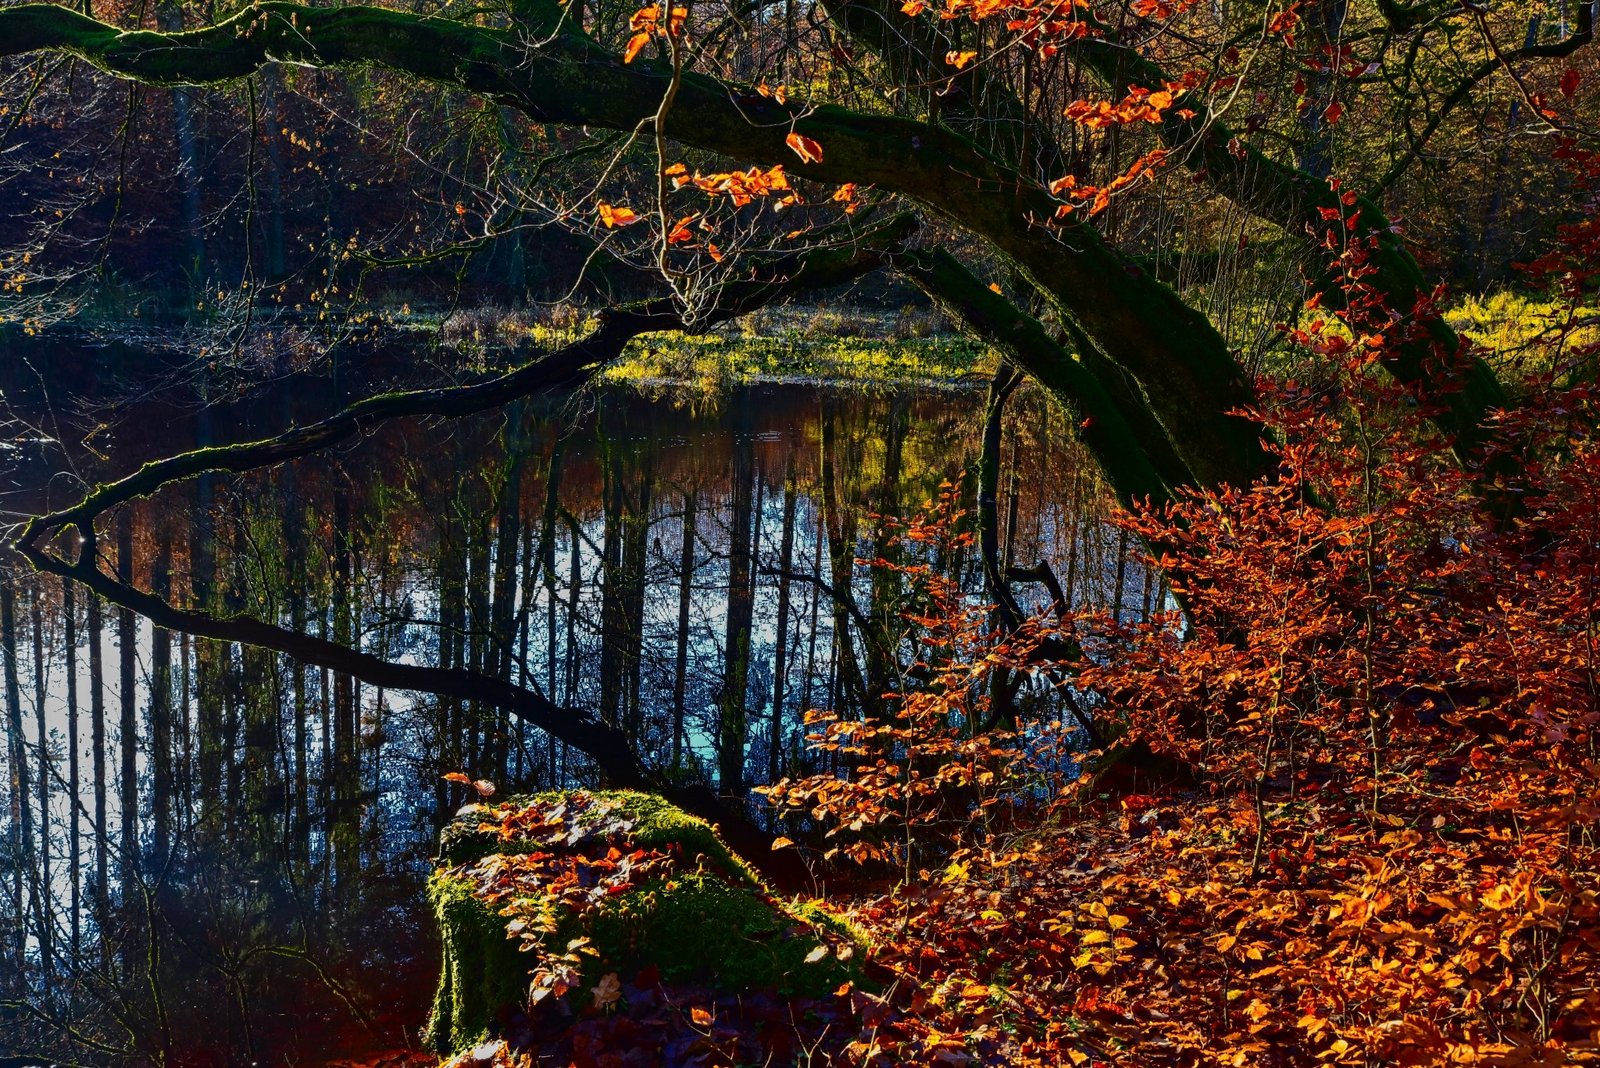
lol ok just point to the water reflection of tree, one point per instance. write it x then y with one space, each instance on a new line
695 576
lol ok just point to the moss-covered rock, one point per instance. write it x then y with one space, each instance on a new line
669 894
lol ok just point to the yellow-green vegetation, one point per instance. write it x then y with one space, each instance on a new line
480 971
703 917
718 359
1526 332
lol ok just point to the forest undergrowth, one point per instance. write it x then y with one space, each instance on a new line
1341 809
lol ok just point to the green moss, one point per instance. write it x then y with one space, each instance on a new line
712 921
696 926
481 972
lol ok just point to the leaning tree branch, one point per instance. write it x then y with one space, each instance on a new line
1582 34
1434 361
1139 466
553 73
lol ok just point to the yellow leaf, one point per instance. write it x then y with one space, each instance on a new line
781 842
1225 943
1118 922
959 59
1500 898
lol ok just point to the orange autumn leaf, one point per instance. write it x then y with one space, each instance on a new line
959 60
616 216
807 149
680 233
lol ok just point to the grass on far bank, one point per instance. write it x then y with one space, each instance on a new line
723 359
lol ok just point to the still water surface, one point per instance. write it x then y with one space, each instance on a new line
215 855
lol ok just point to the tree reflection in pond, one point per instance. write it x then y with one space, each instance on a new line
214 853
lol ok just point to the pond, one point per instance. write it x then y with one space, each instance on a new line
214 853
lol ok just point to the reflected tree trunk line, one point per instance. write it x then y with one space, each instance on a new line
680 661
814 601
161 750
886 585
98 749
574 655
296 594
627 499
26 906
478 636
210 658
847 689
69 618
507 586
47 953
344 795
635 562
128 723
780 654
548 534
732 723
1007 614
